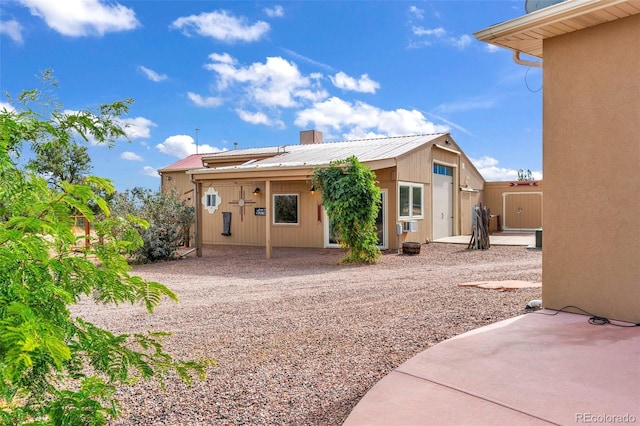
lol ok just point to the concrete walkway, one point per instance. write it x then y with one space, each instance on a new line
540 368
502 239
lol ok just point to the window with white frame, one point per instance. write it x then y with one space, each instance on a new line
285 209
410 205
211 200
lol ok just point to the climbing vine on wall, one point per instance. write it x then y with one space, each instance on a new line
352 201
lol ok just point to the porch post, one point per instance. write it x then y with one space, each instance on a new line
198 210
269 219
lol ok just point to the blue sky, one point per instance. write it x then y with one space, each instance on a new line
256 73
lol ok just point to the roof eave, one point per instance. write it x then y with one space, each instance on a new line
289 171
497 34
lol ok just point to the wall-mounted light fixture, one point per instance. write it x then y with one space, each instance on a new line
169 178
312 190
256 192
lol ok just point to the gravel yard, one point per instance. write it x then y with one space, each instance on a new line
300 339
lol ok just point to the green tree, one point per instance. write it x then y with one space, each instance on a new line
61 161
352 201
56 368
169 220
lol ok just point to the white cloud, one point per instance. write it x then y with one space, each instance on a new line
435 32
363 85
205 102
152 75
460 42
131 156
78 18
222 26
223 58
6 106
182 146
150 171
430 36
488 168
275 83
274 12
134 128
258 118
451 124
310 61
360 119
138 127
13 29
417 12
468 104
492 48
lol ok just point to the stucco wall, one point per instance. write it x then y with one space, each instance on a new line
591 157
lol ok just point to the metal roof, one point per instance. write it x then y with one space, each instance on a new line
526 33
366 150
193 161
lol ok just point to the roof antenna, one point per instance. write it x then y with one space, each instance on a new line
197 140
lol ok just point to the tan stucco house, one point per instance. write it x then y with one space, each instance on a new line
590 54
264 197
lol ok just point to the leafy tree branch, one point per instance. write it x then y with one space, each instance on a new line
56 368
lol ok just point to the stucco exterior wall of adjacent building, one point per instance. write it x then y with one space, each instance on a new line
591 155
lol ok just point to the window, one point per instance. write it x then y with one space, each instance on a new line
211 200
410 200
439 169
285 209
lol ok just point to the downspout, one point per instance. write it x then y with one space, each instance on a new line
517 60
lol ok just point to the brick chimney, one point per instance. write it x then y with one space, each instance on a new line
308 137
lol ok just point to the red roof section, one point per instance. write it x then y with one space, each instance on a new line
194 161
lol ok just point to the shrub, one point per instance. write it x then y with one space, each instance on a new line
168 218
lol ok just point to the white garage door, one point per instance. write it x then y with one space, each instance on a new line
442 201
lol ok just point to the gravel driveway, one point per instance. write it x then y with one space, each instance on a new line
300 339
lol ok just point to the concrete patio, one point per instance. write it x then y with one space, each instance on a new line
546 367
497 239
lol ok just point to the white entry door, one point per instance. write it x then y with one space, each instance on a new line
442 201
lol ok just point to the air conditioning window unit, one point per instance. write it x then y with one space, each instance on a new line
410 226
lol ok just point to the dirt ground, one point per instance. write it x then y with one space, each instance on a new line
299 339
